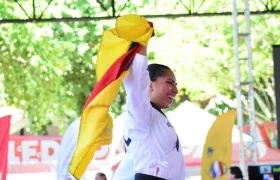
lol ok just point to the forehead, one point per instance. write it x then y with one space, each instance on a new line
168 74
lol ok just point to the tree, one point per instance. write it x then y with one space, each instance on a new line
49 68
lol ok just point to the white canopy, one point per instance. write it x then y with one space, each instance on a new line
192 124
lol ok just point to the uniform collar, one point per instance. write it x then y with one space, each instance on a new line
157 108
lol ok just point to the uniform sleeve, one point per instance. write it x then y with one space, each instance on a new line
137 85
66 151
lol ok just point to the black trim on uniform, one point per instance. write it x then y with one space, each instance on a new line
139 176
155 106
177 144
127 142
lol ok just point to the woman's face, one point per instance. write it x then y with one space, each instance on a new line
164 90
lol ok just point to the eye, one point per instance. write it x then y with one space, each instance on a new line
172 83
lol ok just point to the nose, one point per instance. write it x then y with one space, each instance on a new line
174 90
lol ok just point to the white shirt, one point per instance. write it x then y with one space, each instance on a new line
154 148
66 150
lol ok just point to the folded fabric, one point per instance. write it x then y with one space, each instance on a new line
117 50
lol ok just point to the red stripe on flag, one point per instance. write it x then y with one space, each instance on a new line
113 73
4 139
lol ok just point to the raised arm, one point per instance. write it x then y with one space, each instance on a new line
137 85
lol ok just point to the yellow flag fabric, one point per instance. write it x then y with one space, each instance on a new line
217 150
117 50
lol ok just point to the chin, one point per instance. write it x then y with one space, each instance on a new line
166 106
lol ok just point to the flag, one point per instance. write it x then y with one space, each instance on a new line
4 143
117 50
217 149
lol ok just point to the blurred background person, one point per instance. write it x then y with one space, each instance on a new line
100 176
235 173
66 151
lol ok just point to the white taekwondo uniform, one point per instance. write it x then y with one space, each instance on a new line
152 145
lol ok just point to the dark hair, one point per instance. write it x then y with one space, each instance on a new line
102 175
157 70
236 171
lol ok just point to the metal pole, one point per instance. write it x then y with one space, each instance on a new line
251 87
238 86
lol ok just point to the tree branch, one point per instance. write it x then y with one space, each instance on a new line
266 5
22 9
192 6
127 2
40 17
275 6
187 8
103 7
201 4
79 19
113 8
34 9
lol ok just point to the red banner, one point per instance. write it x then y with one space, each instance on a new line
33 149
32 154
4 139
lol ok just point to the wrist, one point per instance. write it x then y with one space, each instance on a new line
143 51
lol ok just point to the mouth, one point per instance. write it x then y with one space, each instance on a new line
171 98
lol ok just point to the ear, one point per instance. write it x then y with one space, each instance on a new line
151 86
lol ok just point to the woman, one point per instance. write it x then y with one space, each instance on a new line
100 176
152 146
235 173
